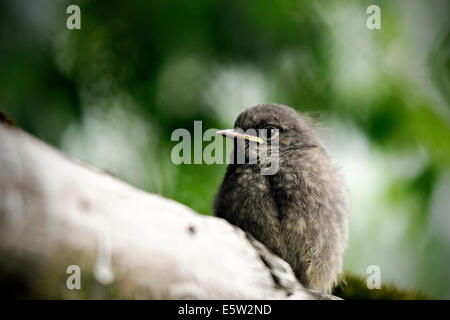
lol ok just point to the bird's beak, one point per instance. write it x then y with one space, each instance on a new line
232 133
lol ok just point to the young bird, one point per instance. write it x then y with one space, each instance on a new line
300 211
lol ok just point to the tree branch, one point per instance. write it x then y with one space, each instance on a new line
56 211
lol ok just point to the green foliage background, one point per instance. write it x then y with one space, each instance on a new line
113 92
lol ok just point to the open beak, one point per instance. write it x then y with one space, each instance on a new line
231 133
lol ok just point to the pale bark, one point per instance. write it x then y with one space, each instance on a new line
56 211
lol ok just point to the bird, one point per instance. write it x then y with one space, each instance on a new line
300 210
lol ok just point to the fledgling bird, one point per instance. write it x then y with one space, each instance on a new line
300 211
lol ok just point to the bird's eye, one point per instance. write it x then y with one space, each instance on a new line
269 133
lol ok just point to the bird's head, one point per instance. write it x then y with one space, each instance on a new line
269 126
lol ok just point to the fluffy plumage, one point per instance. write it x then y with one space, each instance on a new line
300 213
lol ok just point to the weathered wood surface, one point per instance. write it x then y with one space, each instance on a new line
56 211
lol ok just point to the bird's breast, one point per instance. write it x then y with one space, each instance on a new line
244 199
